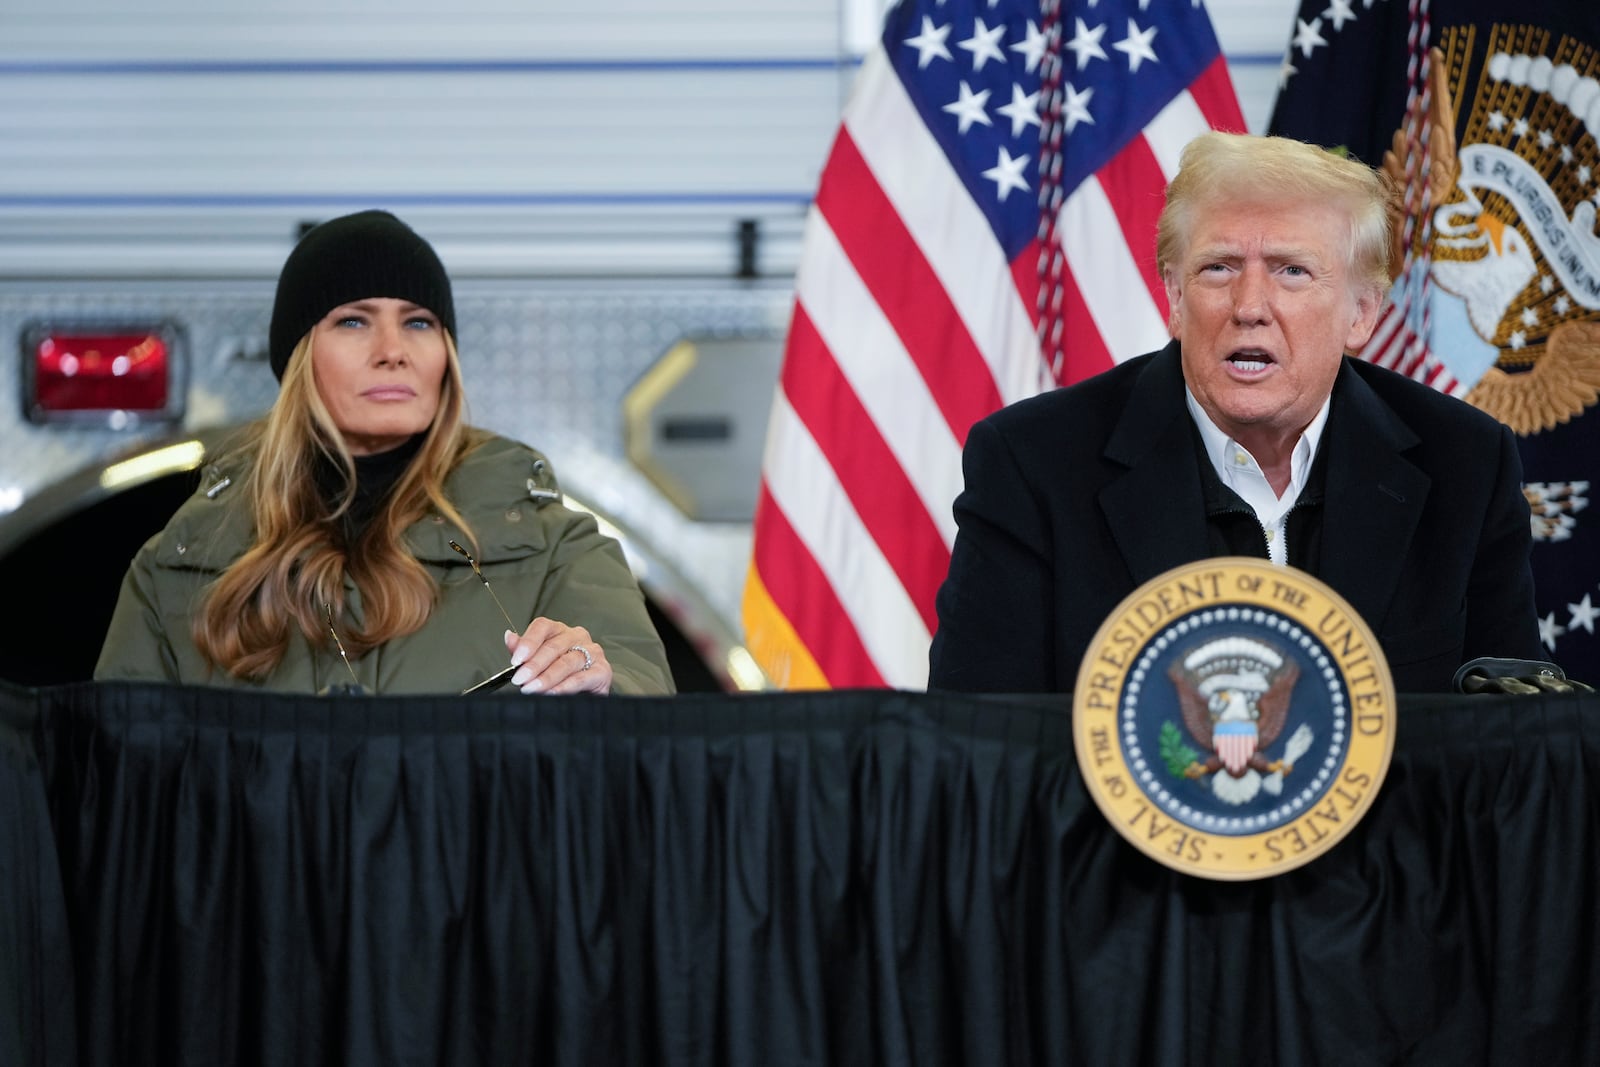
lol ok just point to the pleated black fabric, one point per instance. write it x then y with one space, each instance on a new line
845 878
37 1023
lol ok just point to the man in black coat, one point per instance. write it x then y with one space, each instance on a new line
1250 434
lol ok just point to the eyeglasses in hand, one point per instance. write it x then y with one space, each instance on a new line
499 678
489 684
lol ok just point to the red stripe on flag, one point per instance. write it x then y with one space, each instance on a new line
1387 340
898 276
1025 276
884 498
1085 350
804 595
1133 182
1213 94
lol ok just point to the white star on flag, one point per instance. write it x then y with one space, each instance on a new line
969 108
1007 173
984 44
930 43
1033 47
1583 614
1085 44
1136 46
1309 37
1340 12
1075 108
1549 630
1023 111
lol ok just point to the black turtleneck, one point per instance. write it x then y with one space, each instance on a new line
376 475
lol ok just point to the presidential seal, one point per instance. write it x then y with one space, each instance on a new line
1234 719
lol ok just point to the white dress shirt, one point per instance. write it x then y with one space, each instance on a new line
1240 472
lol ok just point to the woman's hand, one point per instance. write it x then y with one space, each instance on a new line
552 657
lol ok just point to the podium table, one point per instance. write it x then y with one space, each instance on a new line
199 876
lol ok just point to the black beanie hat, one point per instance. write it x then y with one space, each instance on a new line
355 257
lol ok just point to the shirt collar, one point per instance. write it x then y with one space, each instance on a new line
1220 448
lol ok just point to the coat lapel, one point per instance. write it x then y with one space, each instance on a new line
1374 495
1156 510
1374 500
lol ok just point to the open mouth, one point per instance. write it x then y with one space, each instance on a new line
1250 360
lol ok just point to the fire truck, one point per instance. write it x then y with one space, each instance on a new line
619 195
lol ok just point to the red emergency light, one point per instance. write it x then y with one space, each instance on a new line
72 373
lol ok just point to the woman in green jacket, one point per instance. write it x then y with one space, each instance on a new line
362 534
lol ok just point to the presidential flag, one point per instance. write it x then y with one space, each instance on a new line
1497 108
984 228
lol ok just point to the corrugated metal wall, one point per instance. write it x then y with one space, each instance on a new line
190 137
623 136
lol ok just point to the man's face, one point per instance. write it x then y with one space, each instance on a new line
1264 306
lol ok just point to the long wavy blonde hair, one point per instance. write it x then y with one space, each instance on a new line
294 571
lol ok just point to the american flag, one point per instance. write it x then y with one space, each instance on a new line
984 228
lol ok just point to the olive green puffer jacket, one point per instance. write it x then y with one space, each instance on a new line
541 559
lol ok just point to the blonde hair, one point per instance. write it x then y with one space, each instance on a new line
1218 167
294 571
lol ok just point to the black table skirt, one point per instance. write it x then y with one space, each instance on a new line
192 876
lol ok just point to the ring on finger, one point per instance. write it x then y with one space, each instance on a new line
588 660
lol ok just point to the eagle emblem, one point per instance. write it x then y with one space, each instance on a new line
1194 713
1514 320
1233 693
